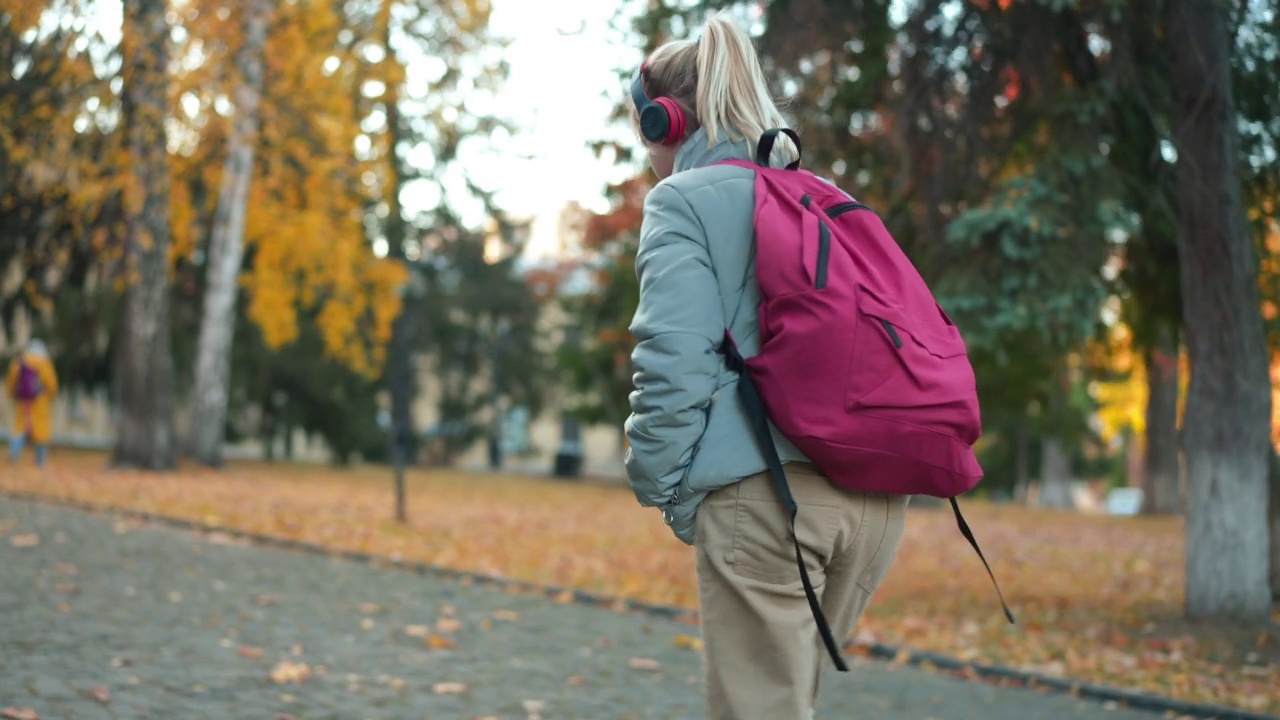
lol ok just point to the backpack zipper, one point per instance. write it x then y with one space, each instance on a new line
897 341
824 247
842 208
824 250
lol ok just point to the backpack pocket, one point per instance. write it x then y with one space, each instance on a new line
903 362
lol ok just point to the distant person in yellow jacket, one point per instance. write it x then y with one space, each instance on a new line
33 385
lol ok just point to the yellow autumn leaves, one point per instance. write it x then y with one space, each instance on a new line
317 172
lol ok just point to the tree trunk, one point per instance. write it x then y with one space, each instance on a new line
1022 464
1055 476
1162 487
1274 515
226 249
145 362
1228 413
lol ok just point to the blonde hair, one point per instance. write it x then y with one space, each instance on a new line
719 84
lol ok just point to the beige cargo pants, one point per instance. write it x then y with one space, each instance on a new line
762 650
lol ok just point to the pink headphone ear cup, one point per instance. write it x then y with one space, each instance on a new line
675 128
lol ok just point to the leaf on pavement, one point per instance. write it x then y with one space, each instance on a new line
645 664
417 631
449 688
19 713
448 625
25 540
687 642
439 642
101 694
287 671
247 651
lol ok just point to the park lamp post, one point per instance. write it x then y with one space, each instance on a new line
400 380
498 334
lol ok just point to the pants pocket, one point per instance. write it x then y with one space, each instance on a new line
762 549
883 540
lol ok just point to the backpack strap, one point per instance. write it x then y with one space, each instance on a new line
765 147
968 535
760 423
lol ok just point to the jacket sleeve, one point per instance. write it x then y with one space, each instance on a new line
678 326
48 378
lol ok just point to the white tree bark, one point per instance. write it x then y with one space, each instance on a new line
1228 414
1055 476
1273 513
226 247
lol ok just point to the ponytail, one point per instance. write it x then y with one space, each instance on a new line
733 96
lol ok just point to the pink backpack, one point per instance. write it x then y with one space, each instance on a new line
27 387
858 365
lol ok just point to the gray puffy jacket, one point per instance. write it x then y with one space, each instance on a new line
688 432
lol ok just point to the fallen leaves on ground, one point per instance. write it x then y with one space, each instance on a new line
101 694
25 540
439 642
646 664
449 688
19 713
687 642
287 671
1097 599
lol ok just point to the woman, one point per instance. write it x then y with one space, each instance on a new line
33 385
692 449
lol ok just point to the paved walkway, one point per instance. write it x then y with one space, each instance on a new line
105 618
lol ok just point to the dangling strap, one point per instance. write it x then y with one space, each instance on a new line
968 535
759 422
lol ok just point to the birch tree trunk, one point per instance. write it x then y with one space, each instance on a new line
226 248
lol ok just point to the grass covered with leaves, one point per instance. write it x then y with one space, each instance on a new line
1097 599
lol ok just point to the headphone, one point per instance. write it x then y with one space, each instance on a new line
661 120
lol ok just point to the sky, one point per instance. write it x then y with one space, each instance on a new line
562 85
559 93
